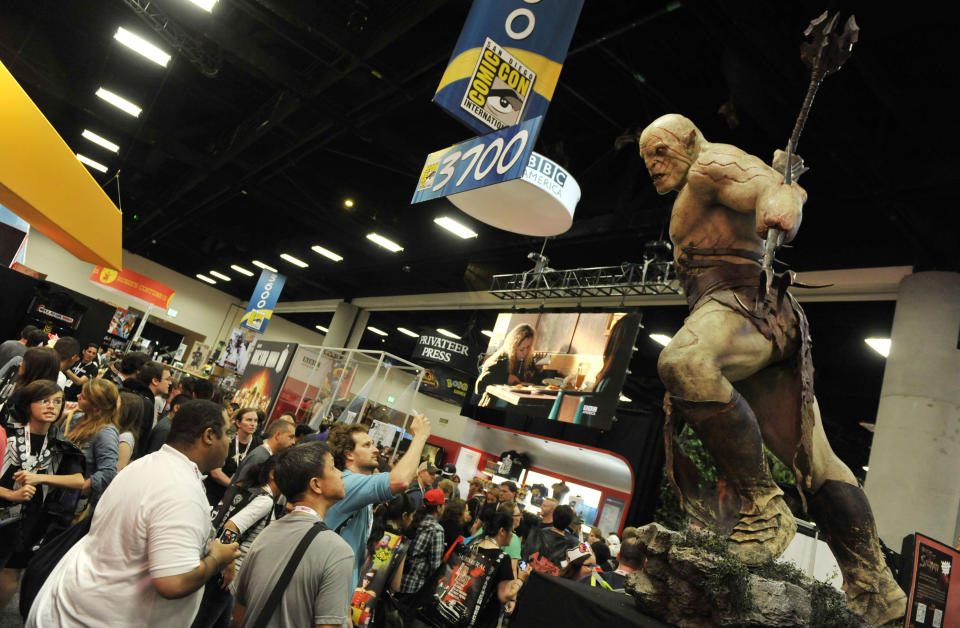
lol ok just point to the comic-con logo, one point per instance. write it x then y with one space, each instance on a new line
499 89
108 275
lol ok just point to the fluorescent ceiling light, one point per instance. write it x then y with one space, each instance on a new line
219 275
393 247
119 102
206 5
661 338
141 46
448 334
260 264
865 468
404 330
455 227
96 165
321 328
241 270
625 398
880 345
293 260
487 333
205 278
377 331
100 141
326 253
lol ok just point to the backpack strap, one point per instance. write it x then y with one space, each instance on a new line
274 600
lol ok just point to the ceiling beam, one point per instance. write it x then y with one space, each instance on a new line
852 284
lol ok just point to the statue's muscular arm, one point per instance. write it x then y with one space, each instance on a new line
725 175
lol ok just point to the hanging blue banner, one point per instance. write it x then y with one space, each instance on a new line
507 61
264 299
478 162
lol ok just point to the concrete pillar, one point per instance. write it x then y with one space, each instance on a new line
347 326
914 478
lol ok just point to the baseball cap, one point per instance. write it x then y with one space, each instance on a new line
434 497
582 549
427 466
449 469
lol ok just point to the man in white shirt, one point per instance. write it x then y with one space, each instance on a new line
149 550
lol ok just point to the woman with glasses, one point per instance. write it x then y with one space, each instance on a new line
40 480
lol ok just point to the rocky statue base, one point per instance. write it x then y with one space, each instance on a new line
692 580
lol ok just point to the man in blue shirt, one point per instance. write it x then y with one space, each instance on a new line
355 453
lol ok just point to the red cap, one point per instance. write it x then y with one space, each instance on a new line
434 497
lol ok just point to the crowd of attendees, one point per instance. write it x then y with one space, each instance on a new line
132 497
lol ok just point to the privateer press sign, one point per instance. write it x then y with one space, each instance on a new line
454 355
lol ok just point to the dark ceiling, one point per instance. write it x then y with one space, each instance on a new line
298 105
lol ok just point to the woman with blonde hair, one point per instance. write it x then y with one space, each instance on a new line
93 429
512 363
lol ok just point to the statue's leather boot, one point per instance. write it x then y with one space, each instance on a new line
731 434
843 514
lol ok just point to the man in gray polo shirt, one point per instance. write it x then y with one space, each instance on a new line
318 594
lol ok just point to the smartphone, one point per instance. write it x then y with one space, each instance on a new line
521 565
229 536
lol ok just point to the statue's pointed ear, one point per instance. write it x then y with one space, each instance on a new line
690 141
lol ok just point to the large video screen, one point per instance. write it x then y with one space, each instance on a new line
566 367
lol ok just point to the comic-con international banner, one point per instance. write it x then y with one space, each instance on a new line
507 61
263 300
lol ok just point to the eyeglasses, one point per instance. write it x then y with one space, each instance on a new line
50 402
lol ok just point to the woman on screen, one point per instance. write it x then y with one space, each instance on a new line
512 363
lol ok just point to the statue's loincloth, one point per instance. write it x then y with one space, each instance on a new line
781 394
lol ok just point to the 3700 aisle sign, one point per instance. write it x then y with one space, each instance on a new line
478 162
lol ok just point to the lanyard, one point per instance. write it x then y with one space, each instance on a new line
26 445
237 456
306 509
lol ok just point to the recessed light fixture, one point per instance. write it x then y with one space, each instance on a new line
624 398
321 328
205 278
326 253
99 141
487 333
96 165
391 246
455 227
404 330
348 203
448 334
206 5
219 275
865 468
119 102
260 264
241 270
880 345
379 332
293 260
660 338
141 46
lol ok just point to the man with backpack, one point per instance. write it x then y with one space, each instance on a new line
298 571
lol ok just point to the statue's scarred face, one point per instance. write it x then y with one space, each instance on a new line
666 160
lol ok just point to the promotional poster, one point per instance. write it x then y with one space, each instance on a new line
567 367
380 565
236 353
314 376
264 374
122 324
196 358
926 574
